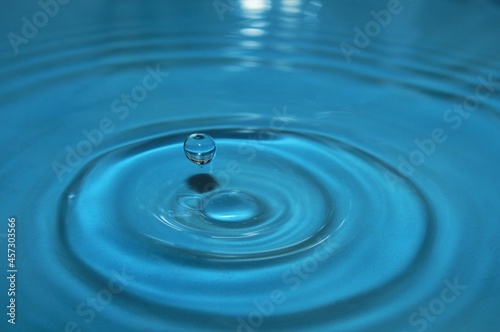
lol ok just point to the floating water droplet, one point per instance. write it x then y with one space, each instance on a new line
199 148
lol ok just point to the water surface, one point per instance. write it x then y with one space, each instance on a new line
354 186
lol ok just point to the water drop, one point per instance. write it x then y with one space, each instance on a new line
199 148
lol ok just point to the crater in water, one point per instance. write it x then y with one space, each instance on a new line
232 206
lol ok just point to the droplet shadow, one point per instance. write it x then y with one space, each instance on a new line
202 183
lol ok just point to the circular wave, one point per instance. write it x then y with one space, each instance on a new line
270 197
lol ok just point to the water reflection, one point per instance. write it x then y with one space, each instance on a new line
261 40
291 6
255 8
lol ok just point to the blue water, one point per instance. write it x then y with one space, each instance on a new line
355 184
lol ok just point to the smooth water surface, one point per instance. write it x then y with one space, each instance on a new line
355 184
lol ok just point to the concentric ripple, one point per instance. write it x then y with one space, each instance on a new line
268 194
269 198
